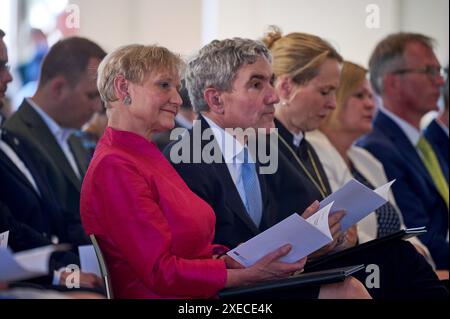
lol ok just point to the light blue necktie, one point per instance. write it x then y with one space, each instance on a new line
251 192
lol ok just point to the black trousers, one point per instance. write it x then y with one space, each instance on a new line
403 272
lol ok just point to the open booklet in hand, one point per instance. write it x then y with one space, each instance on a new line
308 235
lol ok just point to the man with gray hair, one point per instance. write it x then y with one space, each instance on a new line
406 74
230 84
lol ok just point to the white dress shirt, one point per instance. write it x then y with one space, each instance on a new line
61 135
230 148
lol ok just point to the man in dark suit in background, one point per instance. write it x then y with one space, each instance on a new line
405 72
25 190
66 98
28 208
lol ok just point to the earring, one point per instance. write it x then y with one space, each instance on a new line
127 100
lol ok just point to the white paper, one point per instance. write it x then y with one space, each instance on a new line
26 264
305 236
357 200
88 260
4 239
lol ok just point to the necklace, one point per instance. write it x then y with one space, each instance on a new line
320 185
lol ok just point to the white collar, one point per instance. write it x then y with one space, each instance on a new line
61 134
410 131
297 138
183 121
229 146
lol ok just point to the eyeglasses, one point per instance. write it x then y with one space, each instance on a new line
4 67
432 71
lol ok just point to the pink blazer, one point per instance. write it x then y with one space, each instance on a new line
155 233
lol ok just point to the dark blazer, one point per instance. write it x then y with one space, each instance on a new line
214 184
23 237
414 190
27 124
439 141
40 211
290 188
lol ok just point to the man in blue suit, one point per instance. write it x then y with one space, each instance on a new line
437 133
407 75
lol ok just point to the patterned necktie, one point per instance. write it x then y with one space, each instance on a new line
432 164
251 192
388 220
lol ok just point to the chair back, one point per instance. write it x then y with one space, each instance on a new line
103 268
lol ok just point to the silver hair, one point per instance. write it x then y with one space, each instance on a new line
217 64
388 55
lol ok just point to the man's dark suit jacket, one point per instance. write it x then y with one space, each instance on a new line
436 136
40 211
414 190
28 125
214 184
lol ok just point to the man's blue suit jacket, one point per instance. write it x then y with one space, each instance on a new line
414 190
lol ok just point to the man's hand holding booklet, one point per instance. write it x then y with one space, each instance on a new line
308 235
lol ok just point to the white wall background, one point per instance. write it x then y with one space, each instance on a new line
342 22
176 24
184 25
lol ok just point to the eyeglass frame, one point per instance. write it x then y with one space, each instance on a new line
428 70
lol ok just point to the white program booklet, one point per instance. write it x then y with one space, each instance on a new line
88 260
307 236
4 239
26 264
357 200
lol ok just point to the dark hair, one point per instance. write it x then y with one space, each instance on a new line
69 58
2 33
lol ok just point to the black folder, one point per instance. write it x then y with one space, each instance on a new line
399 235
297 281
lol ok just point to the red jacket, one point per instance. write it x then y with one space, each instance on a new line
154 232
